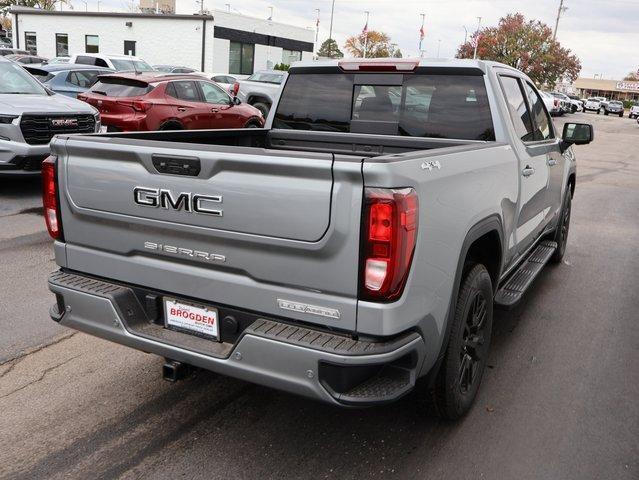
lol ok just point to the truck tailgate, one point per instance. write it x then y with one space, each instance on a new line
253 229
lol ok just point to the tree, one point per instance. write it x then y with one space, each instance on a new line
41 4
329 49
397 53
377 45
526 45
632 76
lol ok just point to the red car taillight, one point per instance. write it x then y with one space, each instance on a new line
137 105
389 236
50 198
235 89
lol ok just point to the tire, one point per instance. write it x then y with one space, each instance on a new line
263 108
621 115
598 112
460 374
605 112
561 232
251 124
171 125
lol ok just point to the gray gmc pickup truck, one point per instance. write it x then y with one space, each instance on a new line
351 251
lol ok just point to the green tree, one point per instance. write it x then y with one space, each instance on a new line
373 44
329 49
526 45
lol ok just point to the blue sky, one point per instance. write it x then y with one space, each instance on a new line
603 33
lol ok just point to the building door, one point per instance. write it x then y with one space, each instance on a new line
129 47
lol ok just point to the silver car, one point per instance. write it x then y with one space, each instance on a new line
30 115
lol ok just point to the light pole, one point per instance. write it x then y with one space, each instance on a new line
560 10
421 35
439 44
270 17
317 31
366 33
228 7
477 37
465 34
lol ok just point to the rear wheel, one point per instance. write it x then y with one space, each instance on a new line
561 232
463 366
251 124
171 125
262 107
621 115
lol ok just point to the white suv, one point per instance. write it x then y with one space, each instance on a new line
594 103
634 111
119 63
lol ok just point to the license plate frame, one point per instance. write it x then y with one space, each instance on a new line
193 318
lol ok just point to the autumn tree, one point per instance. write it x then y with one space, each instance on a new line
526 45
376 45
41 4
329 49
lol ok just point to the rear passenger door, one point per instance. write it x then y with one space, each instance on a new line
532 153
187 104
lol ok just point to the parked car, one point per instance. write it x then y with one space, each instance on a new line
67 78
226 80
614 107
344 252
120 63
260 89
634 111
156 101
27 59
564 102
5 42
553 105
12 51
577 103
174 69
30 116
593 104
56 60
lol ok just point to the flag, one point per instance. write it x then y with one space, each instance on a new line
421 33
365 30
317 23
474 41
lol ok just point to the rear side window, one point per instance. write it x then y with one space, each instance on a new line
85 60
120 87
418 105
184 90
82 78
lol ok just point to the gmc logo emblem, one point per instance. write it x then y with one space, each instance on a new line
64 122
186 201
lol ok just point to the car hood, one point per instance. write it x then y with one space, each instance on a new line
19 104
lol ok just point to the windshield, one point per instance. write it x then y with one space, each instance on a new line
163 68
615 102
14 79
120 87
266 78
133 65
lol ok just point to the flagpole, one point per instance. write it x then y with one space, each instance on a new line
366 37
421 35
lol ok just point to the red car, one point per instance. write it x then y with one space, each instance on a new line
131 102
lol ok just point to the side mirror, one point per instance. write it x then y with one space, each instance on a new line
576 134
236 101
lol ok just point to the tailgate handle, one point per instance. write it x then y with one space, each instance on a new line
188 166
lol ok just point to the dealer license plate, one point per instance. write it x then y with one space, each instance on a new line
191 317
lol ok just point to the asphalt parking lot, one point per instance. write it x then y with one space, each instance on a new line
559 400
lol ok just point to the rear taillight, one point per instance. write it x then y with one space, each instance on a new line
389 235
137 105
235 89
50 198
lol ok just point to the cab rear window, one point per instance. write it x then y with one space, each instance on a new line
453 106
120 87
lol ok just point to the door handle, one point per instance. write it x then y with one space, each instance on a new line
181 109
527 171
552 162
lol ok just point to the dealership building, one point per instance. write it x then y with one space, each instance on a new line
599 87
220 42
